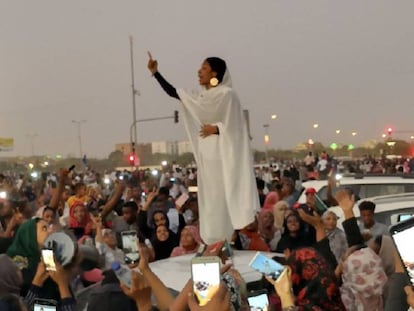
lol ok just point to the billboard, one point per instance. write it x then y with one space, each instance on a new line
6 144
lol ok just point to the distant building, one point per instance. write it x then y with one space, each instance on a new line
164 147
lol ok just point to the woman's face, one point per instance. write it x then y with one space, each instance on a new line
159 219
329 221
268 219
162 233
292 223
205 73
187 240
79 213
48 216
42 232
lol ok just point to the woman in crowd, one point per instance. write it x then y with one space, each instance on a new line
163 242
189 242
271 199
309 283
363 280
293 236
268 232
79 220
249 238
10 276
25 250
337 238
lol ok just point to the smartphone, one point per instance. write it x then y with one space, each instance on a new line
227 250
267 266
193 189
320 205
205 272
182 199
403 235
44 305
49 259
258 300
130 246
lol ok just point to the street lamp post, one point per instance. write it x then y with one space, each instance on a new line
266 141
31 138
134 92
79 123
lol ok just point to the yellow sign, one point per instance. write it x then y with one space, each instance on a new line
6 144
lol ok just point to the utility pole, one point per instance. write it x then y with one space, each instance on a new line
31 138
79 123
266 141
134 93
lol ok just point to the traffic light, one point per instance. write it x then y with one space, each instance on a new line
131 159
389 130
175 116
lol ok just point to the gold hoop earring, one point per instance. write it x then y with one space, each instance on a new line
214 82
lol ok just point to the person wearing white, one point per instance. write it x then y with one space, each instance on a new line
215 124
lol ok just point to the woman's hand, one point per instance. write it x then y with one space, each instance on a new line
346 202
41 275
60 276
208 129
220 301
140 291
283 287
152 64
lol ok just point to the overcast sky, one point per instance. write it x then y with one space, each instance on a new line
342 64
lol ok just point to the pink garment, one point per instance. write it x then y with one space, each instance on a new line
180 250
363 281
271 199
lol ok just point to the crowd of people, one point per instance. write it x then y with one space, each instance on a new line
328 268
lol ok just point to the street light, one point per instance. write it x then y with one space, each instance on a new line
266 141
338 131
316 125
384 135
354 133
79 123
274 116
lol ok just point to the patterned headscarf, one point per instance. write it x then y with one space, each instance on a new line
363 281
314 282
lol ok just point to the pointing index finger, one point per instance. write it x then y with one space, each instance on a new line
149 55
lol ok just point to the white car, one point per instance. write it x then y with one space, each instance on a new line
389 209
366 186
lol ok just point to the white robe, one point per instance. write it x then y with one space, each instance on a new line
227 194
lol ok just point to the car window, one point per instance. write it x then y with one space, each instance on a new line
322 193
374 190
386 217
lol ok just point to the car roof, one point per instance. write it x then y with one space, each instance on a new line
382 204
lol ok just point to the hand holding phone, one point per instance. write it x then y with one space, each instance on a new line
267 266
49 259
205 273
44 305
130 246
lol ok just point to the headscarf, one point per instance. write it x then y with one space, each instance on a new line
386 254
10 277
270 201
180 250
294 242
363 281
163 249
24 251
218 65
85 223
314 282
266 226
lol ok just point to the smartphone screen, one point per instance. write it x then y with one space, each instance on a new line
130 246
182 199
320 205
44 305
267 266
49 259
206 278
403 237
259 302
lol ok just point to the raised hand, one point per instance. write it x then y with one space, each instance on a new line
152 64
